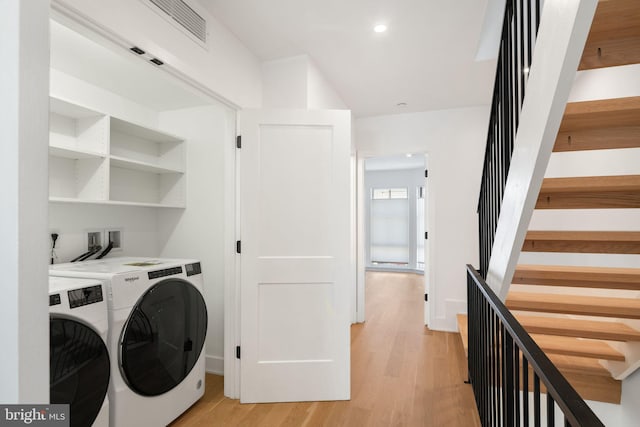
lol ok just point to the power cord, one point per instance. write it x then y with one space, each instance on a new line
54 238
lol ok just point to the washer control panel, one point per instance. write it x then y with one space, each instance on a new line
166 272
193 269
85 296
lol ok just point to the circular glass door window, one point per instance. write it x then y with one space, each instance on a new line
78 369
163 337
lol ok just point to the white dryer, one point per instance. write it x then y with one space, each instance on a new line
157 331
79 367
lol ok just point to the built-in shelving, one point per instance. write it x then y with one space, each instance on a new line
97 158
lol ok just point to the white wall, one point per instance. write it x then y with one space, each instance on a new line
284 83
24 38
296 82
139 227
198 231
320 94
454 141
79 92
225 67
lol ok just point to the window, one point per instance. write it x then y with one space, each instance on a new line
389 193
420 237
389 224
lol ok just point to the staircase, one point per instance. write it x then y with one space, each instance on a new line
587 317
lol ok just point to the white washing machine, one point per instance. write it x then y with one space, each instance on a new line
78 356
157 331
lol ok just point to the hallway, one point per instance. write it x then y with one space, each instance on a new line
402 374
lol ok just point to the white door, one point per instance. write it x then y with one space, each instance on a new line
295 255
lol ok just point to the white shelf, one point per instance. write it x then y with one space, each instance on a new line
95 158
125 163
72 153
69 109
112 203
142 132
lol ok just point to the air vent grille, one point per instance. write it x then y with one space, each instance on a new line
184 15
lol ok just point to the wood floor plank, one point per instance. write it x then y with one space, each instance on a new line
401 373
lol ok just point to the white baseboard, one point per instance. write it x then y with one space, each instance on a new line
449 323
214 365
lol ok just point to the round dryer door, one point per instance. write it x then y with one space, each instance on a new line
79 369
163 337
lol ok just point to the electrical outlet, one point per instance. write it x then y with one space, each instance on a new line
114 235
94 239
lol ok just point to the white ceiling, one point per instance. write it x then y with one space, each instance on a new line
118 71
426 58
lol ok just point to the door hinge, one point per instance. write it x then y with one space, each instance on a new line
239 141
238 247
426 173
426 297
426 235
238 352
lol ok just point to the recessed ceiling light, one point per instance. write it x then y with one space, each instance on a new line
380 28
409 155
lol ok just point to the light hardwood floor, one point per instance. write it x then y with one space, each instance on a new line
402 374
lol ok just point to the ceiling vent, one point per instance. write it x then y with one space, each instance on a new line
184 15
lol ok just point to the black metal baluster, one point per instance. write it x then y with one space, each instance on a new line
516 386
499 350
551 419
536 400
525 391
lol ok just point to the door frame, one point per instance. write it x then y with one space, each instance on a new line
361 263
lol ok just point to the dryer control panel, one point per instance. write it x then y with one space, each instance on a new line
85 296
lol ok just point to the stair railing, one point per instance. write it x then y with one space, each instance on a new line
519 32
505 364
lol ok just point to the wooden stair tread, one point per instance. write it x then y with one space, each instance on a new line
621 242
579 365
604 113
612 331
560 345
598 139
464 333
616 31
577 347
574 304
591 192
590 184
587 277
